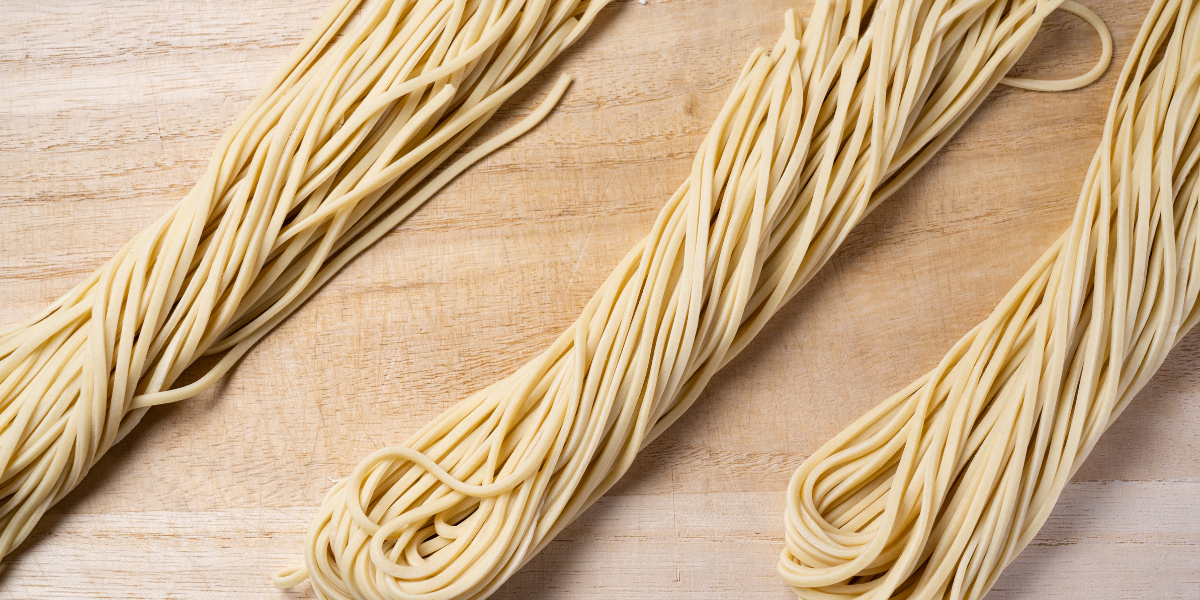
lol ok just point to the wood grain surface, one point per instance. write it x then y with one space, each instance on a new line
109 110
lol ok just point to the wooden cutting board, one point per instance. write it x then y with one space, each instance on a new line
109 110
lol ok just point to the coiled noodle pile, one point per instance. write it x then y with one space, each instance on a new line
934 492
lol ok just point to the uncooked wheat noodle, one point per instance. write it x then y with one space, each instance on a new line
847 106
931 494
345 141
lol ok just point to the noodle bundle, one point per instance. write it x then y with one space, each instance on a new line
931 494
346 140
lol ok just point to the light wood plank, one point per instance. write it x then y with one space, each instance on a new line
109 111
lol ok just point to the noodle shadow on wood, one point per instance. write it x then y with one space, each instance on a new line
105 476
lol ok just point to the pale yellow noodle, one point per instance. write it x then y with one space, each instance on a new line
934 492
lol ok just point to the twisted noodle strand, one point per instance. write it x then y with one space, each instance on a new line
935 491
845 108
343 143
